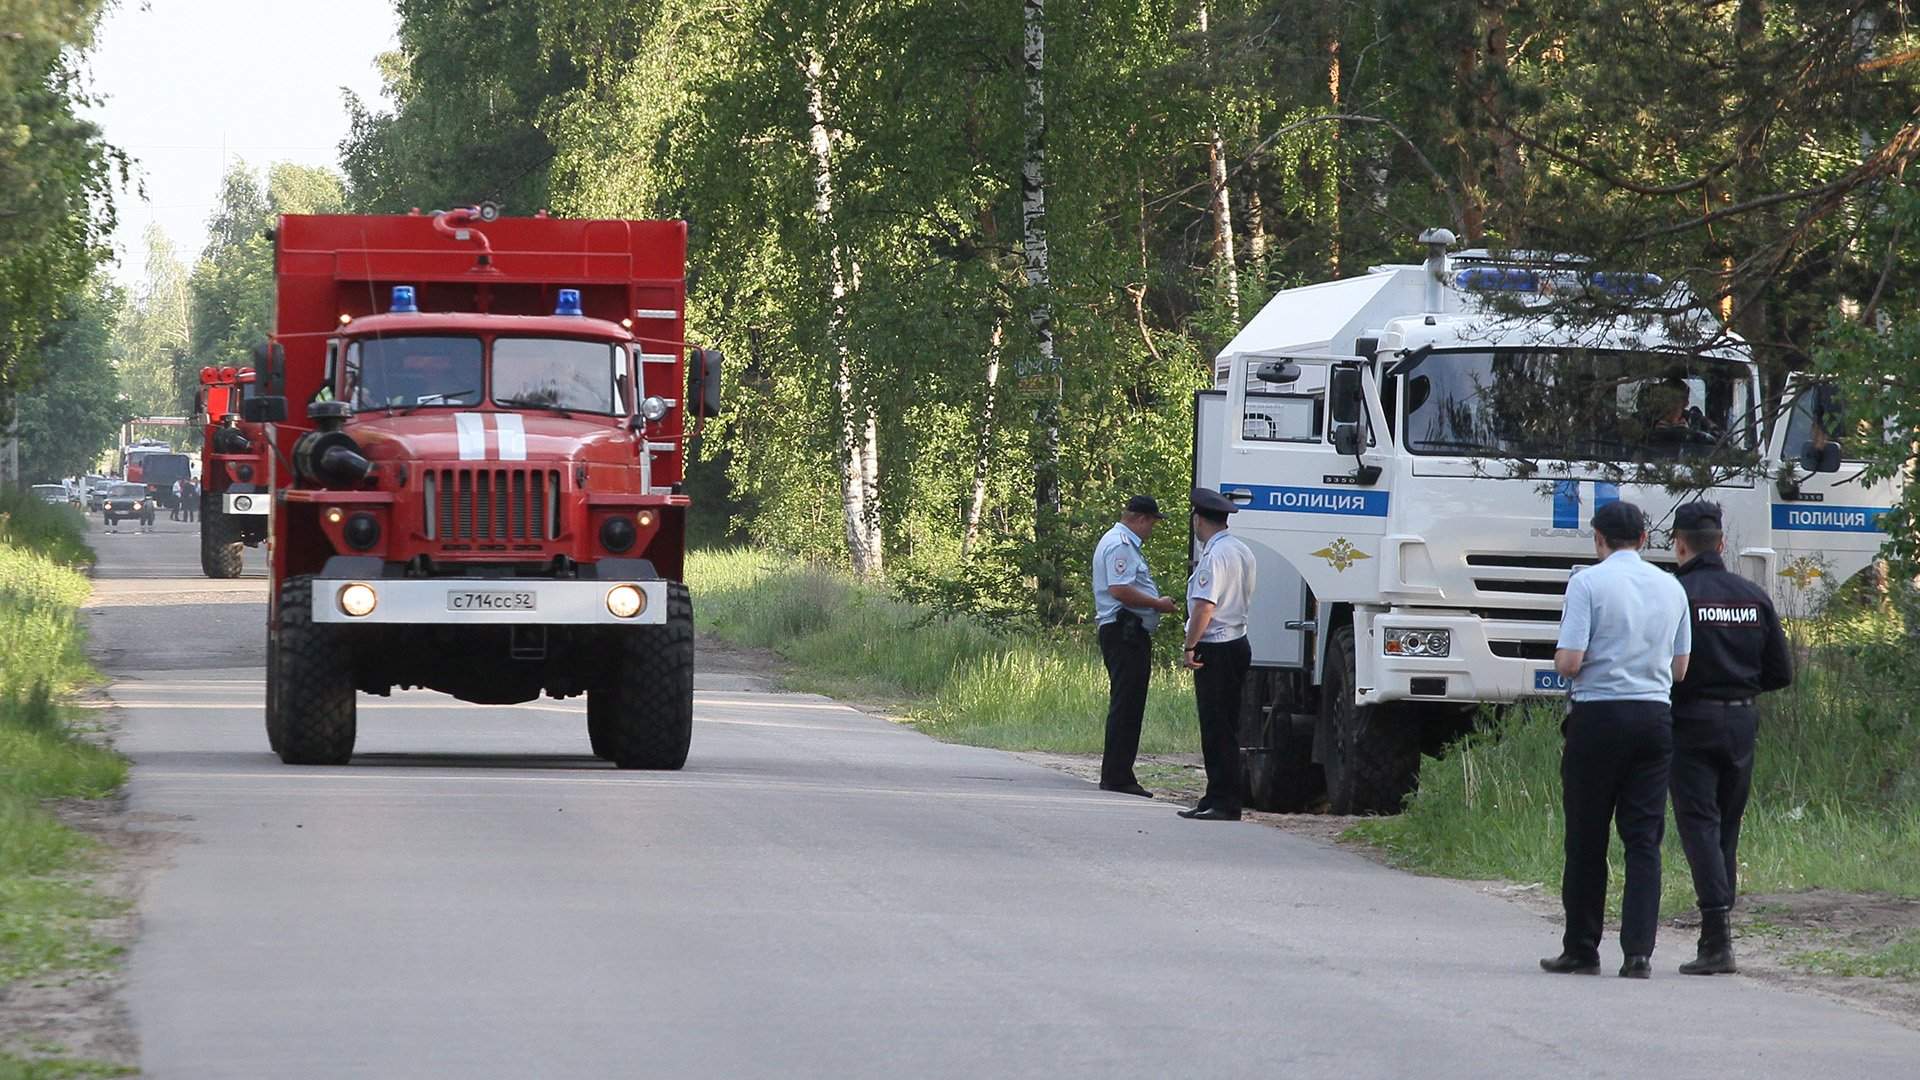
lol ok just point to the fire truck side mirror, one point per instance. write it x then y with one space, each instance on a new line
703 388
270 365
264 409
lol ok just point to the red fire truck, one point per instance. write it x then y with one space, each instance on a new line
233 473
485 420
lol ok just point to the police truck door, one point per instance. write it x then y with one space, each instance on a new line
1826 516
1280 597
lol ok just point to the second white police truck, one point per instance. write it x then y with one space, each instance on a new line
1416 453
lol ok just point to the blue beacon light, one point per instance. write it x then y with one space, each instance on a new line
403 302
569 303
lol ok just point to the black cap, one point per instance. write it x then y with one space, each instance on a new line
1144 504
1620 522
1208 501
1695 516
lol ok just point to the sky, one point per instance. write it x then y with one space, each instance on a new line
192 86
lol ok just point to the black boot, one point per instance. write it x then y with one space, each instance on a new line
1716 946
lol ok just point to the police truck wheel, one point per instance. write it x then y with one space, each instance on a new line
1371 755
219 541
1278 772
312 684
647 704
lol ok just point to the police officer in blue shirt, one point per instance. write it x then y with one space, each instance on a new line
1127 605
1219 595
1624 641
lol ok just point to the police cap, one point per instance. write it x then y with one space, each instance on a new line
1144 504
1208 501
1621 522
1697 516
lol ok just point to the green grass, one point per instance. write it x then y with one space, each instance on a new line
1836 795
1898 959
959 679
45 906
59 1068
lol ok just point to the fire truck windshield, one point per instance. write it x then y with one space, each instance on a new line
1577 404
556 373
409 372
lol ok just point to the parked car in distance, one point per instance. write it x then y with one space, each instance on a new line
51 494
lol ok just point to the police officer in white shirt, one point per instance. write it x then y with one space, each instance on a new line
1624 641
1127 605
1218 596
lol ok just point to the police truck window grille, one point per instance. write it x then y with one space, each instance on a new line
1579 404
414 372
555 373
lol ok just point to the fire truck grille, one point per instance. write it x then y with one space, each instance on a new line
491 505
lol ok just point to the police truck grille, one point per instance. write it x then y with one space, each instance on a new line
491 505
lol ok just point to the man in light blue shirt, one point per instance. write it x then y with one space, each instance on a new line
1625 637
1218 596
1127 605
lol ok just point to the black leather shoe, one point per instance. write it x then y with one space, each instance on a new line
1568 964
1128 789
1637 967
1210 813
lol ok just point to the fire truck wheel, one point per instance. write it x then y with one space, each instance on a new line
648 703
313 682
1371 755
1278 772
274 729
219 542
600 725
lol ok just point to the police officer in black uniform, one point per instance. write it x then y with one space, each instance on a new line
1738 652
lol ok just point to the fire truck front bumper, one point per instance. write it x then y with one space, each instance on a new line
1485 660
245 504
489 601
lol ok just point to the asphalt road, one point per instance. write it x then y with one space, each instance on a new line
818 894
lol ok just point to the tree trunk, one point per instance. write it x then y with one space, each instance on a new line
982 458
1333 166
858 447
1043 380
1220 205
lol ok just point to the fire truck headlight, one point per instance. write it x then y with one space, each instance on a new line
626 601
242 503
358 599
1410 642
617 534
653 408
362 531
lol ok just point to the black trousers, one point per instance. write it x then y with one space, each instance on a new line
1216 692
1613 771
1712 773
1128 653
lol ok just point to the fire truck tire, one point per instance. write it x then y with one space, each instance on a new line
219 541
1278 772
313 683
600 725
1371 755
647 708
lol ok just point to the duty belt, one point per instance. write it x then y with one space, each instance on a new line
1721 703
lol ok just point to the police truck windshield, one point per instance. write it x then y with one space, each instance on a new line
409 372
1577 404
556 373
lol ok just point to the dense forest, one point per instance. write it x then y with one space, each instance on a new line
969 260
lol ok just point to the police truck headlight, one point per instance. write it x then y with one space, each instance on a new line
653 408
358 599
626 601
1411 642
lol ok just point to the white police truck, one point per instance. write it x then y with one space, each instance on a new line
1416 453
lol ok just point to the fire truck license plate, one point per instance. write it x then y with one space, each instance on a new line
489 600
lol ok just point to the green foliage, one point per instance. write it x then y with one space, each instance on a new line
60 1068
56 180
959 679
72 410
1836 793
1898 959
43 911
